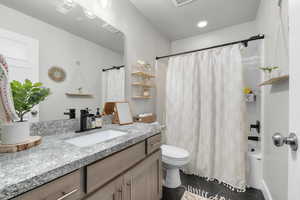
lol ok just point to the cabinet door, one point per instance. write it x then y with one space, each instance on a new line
111 191
105 170
145 180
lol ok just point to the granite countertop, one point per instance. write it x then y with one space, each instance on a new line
24 171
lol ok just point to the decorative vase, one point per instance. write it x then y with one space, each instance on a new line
146 93
15 133
276 73
268 75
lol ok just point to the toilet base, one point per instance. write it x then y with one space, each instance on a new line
172 178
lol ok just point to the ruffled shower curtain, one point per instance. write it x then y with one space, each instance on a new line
113 85
205 113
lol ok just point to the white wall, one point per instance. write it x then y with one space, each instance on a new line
252 60
58 47
143 42
274 23
229 34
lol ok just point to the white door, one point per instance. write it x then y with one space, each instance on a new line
22 56
294 159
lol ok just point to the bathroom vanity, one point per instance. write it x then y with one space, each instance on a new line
124 168
133 173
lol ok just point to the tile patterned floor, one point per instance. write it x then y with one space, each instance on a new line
212 188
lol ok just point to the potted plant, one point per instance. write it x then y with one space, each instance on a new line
269 70
25 97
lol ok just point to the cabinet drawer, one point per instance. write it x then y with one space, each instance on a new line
105 170
153 143
64 188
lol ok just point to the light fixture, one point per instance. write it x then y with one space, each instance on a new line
89 14
69 3
202 24
179 3
105 3
66 6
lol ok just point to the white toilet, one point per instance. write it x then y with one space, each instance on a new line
173 159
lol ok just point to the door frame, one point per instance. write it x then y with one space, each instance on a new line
294 97
22 58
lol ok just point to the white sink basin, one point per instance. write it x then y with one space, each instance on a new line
95 138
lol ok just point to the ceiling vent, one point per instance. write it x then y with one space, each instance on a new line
179 3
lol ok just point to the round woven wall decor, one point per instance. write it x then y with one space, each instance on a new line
57 74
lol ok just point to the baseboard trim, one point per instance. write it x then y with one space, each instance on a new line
266 191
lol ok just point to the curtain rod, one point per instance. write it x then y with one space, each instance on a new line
114 67
245 42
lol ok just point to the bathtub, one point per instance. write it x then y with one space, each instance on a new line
254 167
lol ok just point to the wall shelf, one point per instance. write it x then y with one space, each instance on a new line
275 80
142 97
143 74
143 85
79 95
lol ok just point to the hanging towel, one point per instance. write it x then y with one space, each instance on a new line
113 87
7 109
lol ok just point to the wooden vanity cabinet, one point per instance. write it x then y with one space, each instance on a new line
141 177
144 181
111 191
153 143
67 187
101 172
134 173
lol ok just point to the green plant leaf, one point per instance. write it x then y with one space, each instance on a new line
27 95
38 84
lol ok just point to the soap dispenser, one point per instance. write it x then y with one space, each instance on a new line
98 119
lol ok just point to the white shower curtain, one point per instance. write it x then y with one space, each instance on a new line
113 87
205 113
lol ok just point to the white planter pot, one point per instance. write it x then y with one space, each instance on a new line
15 133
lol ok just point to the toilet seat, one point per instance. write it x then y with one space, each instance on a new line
174 156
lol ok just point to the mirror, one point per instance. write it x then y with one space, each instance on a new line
77 55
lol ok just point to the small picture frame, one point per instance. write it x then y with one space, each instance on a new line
124 113
121 112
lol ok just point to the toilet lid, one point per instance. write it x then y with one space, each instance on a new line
174 152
